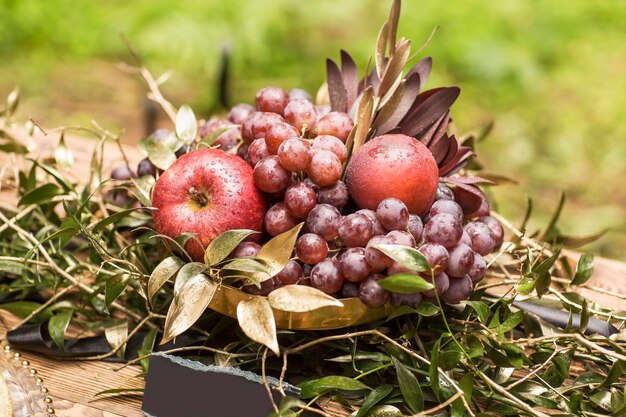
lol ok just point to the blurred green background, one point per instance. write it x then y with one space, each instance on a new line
551 74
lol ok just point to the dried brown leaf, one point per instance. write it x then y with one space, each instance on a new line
363 118
300 299
394 18
394 67
256 319
381 48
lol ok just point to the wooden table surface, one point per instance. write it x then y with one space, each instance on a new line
73 385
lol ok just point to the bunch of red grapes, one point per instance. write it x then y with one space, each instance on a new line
298 152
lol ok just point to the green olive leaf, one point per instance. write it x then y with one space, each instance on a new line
407 257
409 386
256 319
482 309
165 270
224 244
147 345
194 297
213 136
114 287
377 395
57 326
310 389
301 298
186 124
160 155
584 269
40 195
277 252
405 283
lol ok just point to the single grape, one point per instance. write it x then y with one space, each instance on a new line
182 151
294 154
437 257
245 249
306 268
239 113
324 168
375 258
371 294
326 276
267 287
443 229
355 230
460 289
291 273
398 237
377 227
119 198
122 172
332 144
335 195
466 239
164 136
353 265
478 269
393 214
270 176
301 114
257 124
447 206
300 199
257 151
311 249
460 260
279 220
415 227
495 227
277 134
349 289
483 240
411 300
324 220
299 94
272 99
442 283
335 123
145 167
444 192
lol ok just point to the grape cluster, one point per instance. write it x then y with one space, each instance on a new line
298 154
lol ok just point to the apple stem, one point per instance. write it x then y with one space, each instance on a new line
200 197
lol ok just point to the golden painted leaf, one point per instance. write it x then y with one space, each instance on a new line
363 119
194 298
394 18
300 298
277 252
162 273
116 335
394 67
389 105
381 47
256 319
224 244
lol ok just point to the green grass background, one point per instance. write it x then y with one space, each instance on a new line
551 74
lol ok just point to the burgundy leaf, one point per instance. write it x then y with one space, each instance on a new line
411 90
336 88
459 160
439 148
422 68
431 109
372 79
436 131
350 75
469 197
472 180
453 147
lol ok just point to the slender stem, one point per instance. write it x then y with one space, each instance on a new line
42 307
266 384
440 406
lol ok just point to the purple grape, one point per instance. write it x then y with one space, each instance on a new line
401 238
324 168
300 199
460 260
353 265
447 206
478 269
437 257
444 192
267 287
466 239
278 219
239 113
145 167
291 273
336 124
443 229
397 268
393 214
326 276
301 114
335 195
122 172
245 249
182 151
270 176
257 124
272 99
332 144
355 230
371 294
377 226
375 258
460 289
257 151
415 227
349 289
411 300
294 154
299 94
311 249
442 283
495 227
483 240
324 220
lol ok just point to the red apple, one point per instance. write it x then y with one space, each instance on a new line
207 192
396 166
